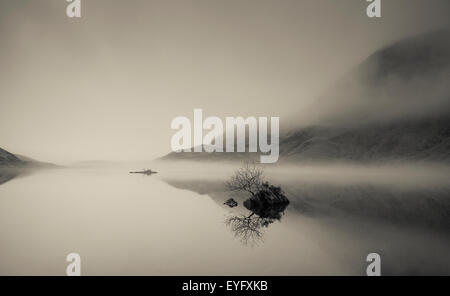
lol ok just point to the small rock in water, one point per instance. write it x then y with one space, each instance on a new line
231 203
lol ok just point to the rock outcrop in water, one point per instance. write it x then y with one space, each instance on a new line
231 203
266 203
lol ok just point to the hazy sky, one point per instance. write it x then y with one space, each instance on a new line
106 86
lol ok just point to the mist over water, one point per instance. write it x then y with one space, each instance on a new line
363 148
172 223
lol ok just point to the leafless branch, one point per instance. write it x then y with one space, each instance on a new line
248 178
246 228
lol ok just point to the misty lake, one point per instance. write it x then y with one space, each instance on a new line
173 223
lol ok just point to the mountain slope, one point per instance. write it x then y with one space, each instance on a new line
9 159
394 105
418 140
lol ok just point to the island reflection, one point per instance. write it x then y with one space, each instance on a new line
249 229
266 204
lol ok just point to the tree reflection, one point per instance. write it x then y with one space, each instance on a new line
250 228
246 228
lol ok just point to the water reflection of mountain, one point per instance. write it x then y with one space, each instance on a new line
12 165
7 175
428 207
410 206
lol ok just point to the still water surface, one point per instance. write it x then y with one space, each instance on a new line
124 224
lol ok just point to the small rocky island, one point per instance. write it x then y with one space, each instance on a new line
145 172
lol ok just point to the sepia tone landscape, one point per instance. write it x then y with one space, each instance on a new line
364 153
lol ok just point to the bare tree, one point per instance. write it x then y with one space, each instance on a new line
248 178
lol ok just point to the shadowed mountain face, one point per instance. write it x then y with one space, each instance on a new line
9 166
420 56
393 106
412 140
407 80
9 159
